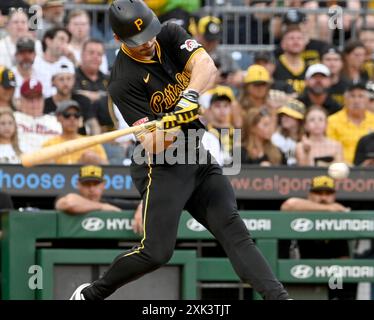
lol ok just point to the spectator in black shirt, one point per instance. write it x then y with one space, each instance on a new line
291 66
63 79
332 58
364 155
316 92
366 36
267 60
89 80
354 57
313 47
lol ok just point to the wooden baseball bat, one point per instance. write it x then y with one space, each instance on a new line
52 152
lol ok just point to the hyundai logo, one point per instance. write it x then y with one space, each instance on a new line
93 224
194 225
302 271
302 225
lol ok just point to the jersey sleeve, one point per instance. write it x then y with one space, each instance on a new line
181 44
131 102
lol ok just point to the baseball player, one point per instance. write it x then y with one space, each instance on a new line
161 70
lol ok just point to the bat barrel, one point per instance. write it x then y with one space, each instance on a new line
46 154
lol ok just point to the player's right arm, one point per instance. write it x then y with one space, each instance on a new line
76 204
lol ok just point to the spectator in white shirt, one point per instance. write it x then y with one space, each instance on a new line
78 24
9 149
24 68
34 127
219 138
55 46
53 16
16 27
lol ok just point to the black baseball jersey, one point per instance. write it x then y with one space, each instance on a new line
329 104
365 149
142 89
338 89
284 73
82 82
312 53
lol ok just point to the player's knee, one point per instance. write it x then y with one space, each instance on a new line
160 258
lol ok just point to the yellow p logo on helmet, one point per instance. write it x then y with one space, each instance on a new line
138 22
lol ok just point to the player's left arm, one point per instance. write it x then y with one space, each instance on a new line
203 71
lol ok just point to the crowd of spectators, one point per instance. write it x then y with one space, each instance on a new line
67 59
46 63
308 102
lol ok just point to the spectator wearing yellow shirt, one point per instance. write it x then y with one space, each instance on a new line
69 115
353 121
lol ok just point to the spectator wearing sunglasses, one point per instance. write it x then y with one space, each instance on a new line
63 79
69 115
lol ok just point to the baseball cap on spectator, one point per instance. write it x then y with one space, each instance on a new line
7 78
210 28
263 56
322 183
54 3
223 91
63 67
357 85
331 49
91 173
257 74
317 68
293 108
219 97
25 44
293 16
65 105
31 88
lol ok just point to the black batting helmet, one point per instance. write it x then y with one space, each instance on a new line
133 22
